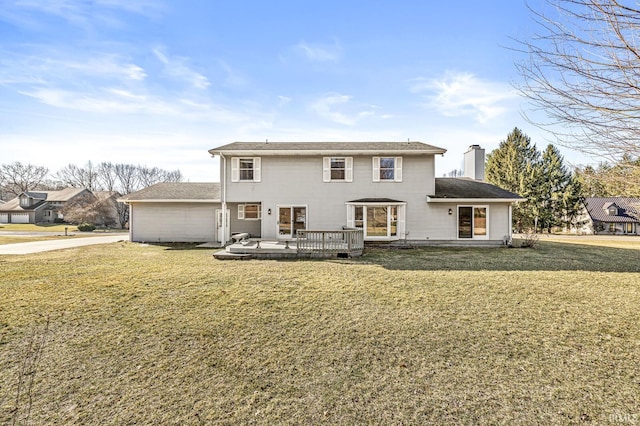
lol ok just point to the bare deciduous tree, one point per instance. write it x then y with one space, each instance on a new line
80 177
583 73
16 177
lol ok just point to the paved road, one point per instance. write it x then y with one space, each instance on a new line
40 246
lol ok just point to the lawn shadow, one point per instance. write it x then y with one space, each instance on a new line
547 256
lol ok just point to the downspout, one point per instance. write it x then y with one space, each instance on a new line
223 190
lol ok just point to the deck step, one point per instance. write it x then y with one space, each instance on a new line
225 255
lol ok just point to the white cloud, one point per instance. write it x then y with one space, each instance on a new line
463 94
177 68
339 109
80 13
325 107
319 52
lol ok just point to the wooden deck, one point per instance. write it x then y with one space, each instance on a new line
307 244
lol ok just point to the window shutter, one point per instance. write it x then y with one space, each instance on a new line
326 169
402 222
376 169
398 171
256 169
235 169
350 216
240 211
348 169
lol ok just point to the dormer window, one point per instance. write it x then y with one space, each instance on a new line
612 211
24 201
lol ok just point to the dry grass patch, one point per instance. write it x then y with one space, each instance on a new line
142 334
41 227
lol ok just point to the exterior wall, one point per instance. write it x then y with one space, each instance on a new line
251 226
4 217
440 225
298 181
602 228
173 222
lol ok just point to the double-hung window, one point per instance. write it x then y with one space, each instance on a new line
387 169
249 211
245 169
337 169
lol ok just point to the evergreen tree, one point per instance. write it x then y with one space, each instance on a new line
560 191
515 166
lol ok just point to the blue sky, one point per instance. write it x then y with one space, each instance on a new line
161 82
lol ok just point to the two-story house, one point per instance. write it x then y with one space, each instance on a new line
39 206
270 190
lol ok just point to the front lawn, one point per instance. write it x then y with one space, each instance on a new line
134 334
41 227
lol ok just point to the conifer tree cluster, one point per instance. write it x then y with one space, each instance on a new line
553 193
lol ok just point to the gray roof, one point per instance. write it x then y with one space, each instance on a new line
328 147
466 188
628 209
177 191
62 195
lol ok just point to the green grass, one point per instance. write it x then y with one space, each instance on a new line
145 334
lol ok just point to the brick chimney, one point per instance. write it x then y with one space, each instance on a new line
474 163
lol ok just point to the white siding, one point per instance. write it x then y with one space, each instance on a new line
173 222
4 218
299 181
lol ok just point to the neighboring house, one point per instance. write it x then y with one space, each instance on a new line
271 190
39 206
612 215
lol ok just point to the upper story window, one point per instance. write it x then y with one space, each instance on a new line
337 169
245 169
24 201
612 211
387 169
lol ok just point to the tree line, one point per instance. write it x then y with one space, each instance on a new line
554 194
18 177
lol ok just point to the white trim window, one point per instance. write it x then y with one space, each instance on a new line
24 201
337 169
473 222
249 211
387 169
245 169
378 221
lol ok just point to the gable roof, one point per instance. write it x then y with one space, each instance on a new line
326 148
450 189
177 192
628 209
62 196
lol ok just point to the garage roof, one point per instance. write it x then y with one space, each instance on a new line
177 191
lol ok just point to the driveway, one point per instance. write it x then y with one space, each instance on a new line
40 246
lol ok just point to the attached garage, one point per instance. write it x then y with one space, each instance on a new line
4 217
174 212
19 217
172 222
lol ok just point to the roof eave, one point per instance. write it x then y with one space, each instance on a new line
473 200
168 200
299 152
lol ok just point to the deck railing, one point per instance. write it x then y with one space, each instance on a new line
329 243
